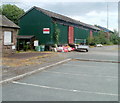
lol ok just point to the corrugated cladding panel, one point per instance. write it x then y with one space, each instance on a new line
80 33
63 37
33 23
95 33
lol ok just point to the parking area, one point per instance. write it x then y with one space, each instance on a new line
71 81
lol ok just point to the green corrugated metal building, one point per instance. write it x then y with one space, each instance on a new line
41 24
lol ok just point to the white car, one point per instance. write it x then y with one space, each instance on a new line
82 47
99 45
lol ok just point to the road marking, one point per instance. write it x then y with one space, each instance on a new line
81 65
32 72
78 65
95 60
115 48
83 74
63 89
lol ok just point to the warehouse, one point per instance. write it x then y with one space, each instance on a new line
42 24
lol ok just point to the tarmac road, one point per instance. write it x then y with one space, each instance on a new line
88 76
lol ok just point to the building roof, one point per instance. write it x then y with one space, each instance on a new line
5 22
64 18
25 36
104 29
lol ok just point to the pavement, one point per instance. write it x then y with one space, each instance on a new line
21 63
91 76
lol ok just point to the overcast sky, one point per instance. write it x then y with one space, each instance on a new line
91 12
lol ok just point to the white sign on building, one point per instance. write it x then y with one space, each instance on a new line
46 30
36 43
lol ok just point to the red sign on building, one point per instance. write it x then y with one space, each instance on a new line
46 30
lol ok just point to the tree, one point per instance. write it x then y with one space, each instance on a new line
0 10
99 39
56 33
12 12
90 41
114 37
102 37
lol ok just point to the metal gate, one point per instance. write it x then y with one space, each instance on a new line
91 34
70 35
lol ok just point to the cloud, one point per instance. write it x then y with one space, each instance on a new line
44 1
88 12
99 18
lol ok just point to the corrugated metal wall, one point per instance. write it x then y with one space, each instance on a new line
63 37
80 33
95 33
33 23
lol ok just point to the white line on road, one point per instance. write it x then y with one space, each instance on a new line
76 65
87 65
83 74
32 72
70 90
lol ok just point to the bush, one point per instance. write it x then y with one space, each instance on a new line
102 39
90 41
56 34
114 37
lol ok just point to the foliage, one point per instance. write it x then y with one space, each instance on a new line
90 41
56 33
102 39
114 38
12 12
0 10
118 40
25 46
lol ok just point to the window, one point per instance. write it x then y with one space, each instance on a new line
7 37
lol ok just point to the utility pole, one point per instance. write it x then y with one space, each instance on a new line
119 18
107 16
